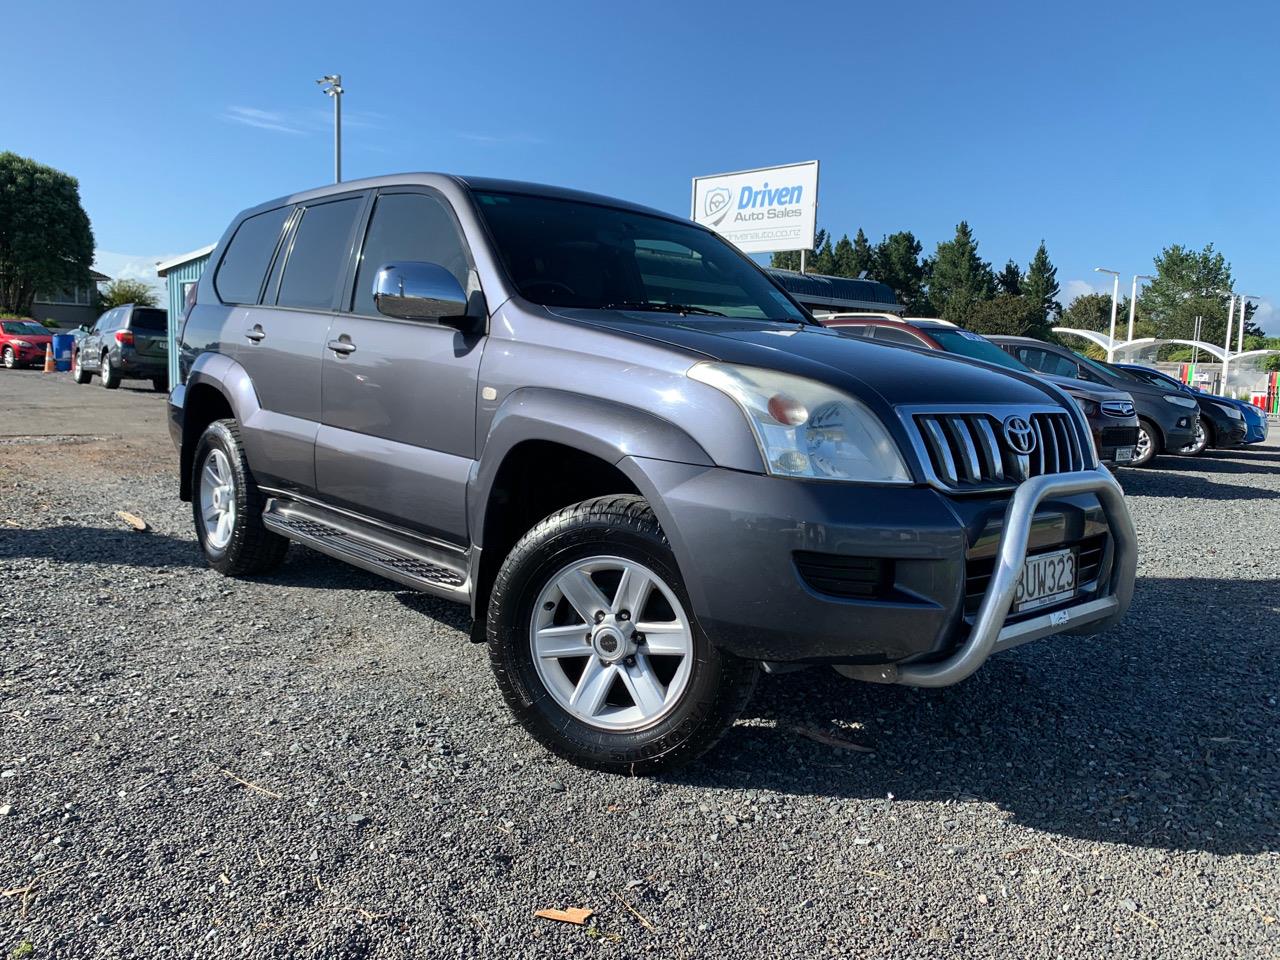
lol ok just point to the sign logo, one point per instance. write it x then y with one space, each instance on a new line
716 205
1020 435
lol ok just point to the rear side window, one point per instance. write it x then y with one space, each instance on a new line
408 226
148 318
318 258
1047 362
894 335
239 276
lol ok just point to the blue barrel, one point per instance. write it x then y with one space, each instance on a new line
62 343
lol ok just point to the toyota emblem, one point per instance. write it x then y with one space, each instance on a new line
1020 435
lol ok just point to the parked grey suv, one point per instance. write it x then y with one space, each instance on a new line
643 465
126 343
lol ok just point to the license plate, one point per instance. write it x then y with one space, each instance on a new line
1124 454
1046 578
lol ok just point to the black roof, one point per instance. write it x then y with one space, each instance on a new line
821 290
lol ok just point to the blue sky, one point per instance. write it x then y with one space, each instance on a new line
1110 130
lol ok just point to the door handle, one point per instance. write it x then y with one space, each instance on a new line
342 346
255 333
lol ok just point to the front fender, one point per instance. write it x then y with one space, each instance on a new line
190 410
602 428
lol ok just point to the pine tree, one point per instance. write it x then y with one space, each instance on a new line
960 277
844 265
864 258
1041 287
896 262
824 256
1009 279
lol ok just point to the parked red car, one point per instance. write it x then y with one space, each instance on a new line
23 342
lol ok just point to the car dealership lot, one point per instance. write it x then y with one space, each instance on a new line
319 764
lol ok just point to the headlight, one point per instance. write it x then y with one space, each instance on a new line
1232 413
20 343
807 429
1181 401
1088 407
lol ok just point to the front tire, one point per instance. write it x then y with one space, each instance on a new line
227 506
78 373
1148 447
593 643
10 358
109 374
1202 440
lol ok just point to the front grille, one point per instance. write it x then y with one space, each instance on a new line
850 578
978 571
970 450
1119 437
1118 408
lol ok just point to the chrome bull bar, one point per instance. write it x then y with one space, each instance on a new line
990 634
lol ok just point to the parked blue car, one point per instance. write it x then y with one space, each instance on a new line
1255 421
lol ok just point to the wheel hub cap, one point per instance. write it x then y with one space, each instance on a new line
611 643
217 499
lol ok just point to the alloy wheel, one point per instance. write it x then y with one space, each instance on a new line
217 500
611 643
10 360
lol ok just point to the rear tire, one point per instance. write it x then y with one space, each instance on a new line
241 545
1148 447
663 705
78 373
109 374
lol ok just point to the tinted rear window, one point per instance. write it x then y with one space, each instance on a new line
148 318
318 258
239 277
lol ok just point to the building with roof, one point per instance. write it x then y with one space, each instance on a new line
180 274
820 293
72 306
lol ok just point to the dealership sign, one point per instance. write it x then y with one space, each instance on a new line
761 211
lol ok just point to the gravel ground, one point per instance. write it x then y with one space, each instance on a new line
318 764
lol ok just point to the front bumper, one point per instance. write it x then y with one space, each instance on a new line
742 541
1231 434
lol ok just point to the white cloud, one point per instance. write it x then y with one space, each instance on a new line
1267 316
262 119
129 266
1078 288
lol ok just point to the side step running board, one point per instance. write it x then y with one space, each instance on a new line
412 562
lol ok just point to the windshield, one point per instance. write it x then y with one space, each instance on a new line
1106 370
23 328
566 253
972 345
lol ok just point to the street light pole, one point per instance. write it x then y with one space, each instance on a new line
1240 327
334 89
1133 302
1115 301
1226 347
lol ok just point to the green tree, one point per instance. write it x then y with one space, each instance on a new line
1040 285
823 259
46 242
119 292
844 258
959 278
1189 283
1009 280
896 262
1008 314
790 259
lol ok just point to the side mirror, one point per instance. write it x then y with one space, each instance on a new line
414 290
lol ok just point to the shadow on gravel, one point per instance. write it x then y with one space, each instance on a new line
1159 734
72 544
1217 462
1186 482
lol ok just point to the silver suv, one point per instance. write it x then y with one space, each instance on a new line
645 467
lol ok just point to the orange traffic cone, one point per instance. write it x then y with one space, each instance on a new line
49 365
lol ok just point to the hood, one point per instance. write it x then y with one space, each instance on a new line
893 374
1083 388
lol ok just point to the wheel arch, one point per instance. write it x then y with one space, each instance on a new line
216 388
573 447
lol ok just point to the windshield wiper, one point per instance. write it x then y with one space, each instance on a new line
661 307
